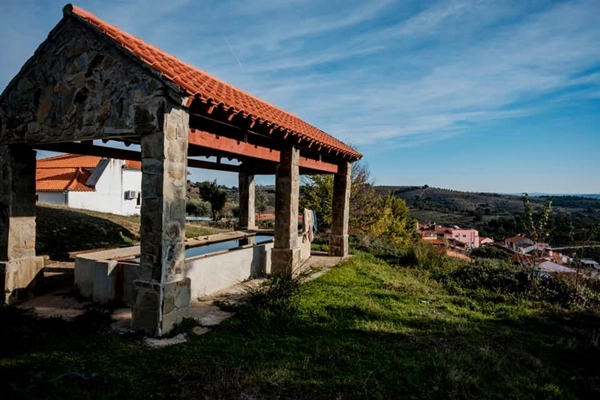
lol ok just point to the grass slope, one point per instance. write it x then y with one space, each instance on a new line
363 330
60 230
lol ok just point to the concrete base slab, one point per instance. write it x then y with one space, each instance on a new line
160 343
55 305
21 278
285 261
338 245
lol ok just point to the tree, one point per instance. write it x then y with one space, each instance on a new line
316 194
210 191
365 203
197 207
260 199
393 221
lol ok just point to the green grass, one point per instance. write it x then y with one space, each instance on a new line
60 230
363 330
192 230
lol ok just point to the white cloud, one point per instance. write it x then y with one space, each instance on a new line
400 72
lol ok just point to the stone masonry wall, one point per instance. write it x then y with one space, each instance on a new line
77 86
20 269
338 240
162 292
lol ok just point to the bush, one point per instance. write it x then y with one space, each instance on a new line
493 278
491 252
197 207
420 254
276 295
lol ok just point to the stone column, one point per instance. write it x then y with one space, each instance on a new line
20 269
285 255
247 187
162 294
338 239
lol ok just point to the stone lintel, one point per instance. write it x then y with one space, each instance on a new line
247 191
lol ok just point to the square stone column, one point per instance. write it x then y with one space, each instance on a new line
285 255
338 239
247 189
162 293
20 269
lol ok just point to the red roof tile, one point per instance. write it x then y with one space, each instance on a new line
210 89
515 239
133 165
62 179
69 172
68 161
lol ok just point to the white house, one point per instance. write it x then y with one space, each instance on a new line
91 183
590 263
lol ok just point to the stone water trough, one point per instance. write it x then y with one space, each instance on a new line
212 263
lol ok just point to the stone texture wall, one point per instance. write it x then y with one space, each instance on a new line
247 189
77 86
17 202
162 231
20 269
285 256
338 240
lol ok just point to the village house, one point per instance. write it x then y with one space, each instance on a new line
90 183
590 263
518 244
484 241
468 237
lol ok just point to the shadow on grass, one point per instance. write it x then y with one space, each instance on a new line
346 335
60 231
261 355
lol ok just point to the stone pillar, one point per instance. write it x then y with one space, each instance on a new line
20 269
285 255
162 293
247 187
338 239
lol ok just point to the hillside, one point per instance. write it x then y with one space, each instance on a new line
61 230
364 330
495 215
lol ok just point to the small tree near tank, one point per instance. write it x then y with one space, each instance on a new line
210 191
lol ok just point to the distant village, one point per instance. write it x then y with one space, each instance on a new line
460 242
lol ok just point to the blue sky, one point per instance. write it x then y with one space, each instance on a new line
500 96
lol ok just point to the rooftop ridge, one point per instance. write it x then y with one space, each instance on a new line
199 83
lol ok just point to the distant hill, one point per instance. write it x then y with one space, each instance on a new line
495 215
537 194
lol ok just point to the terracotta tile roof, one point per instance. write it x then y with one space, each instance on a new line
212 90
516 239
69 172
69 161
62 179
133 165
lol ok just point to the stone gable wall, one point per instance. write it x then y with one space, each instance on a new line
79 85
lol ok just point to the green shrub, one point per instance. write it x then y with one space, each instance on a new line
276 295
197 207
491 252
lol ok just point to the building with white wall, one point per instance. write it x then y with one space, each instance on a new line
90 183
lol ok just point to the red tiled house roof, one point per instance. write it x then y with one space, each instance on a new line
211 90
516 239
69 172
